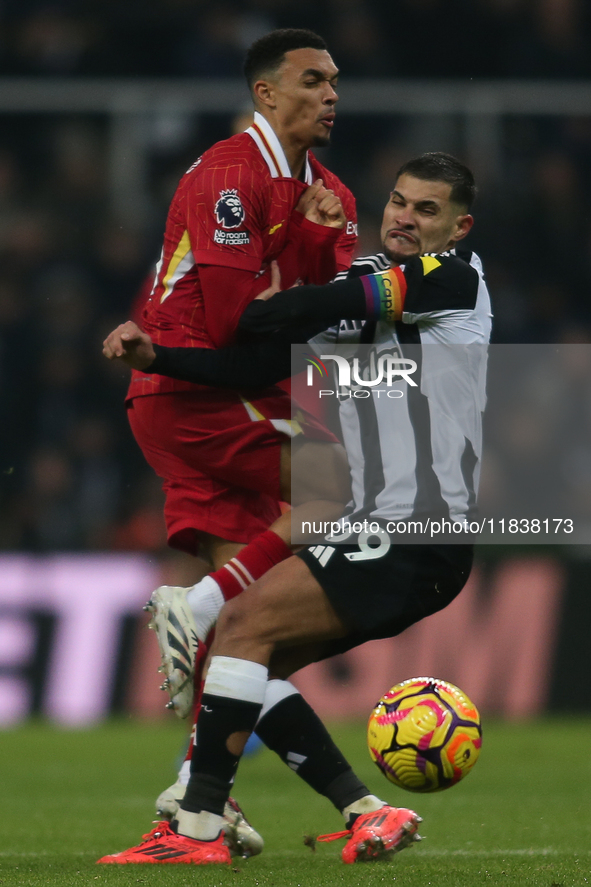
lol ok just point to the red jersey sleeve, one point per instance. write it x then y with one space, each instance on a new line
225 216
308 257
315 249
226 293
345 245
315 253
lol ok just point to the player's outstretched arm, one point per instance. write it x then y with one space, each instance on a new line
245 366
255 365
353 298
131 345
425 284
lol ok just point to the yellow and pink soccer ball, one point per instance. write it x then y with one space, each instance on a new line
424 735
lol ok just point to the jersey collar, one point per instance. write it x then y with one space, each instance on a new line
270 147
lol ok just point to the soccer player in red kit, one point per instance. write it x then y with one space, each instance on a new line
224 457
257 197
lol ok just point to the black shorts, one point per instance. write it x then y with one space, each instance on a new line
379 597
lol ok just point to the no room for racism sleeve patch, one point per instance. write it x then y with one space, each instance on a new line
229 213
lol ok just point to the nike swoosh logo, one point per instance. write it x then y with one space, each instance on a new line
275 228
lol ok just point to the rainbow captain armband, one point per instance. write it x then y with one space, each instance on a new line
384 295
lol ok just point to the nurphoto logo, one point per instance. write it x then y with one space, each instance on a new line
354 379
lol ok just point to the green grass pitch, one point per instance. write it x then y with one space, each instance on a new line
523 816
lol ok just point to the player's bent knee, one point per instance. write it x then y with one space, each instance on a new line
247 618
237 620
320 471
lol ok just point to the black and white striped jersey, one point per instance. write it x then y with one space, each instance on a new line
418 454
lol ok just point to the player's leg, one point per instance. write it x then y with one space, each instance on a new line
218 551
245 691
175 628
187 495
223 475
241 572
205 601
287 607
403 584
171 430
183 615
290 727
321 488
234 698
314 470
238 566
305 601
197 507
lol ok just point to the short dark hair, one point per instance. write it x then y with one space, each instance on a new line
267 53
439 167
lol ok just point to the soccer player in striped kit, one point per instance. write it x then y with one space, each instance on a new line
333 597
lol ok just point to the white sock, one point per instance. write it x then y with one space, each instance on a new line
205 600
233 679
224 683
236 679
185 772
203 826
275 692
364 805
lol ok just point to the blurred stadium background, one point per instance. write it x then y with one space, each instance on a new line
102 108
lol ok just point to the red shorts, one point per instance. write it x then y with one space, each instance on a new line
218 455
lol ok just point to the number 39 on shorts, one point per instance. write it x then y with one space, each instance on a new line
371 546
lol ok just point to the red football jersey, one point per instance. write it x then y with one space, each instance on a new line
232 214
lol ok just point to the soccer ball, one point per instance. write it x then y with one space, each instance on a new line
424 735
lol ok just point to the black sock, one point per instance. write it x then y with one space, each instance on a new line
294 731
213 765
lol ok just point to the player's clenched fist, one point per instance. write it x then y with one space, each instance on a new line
131 345
321 205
